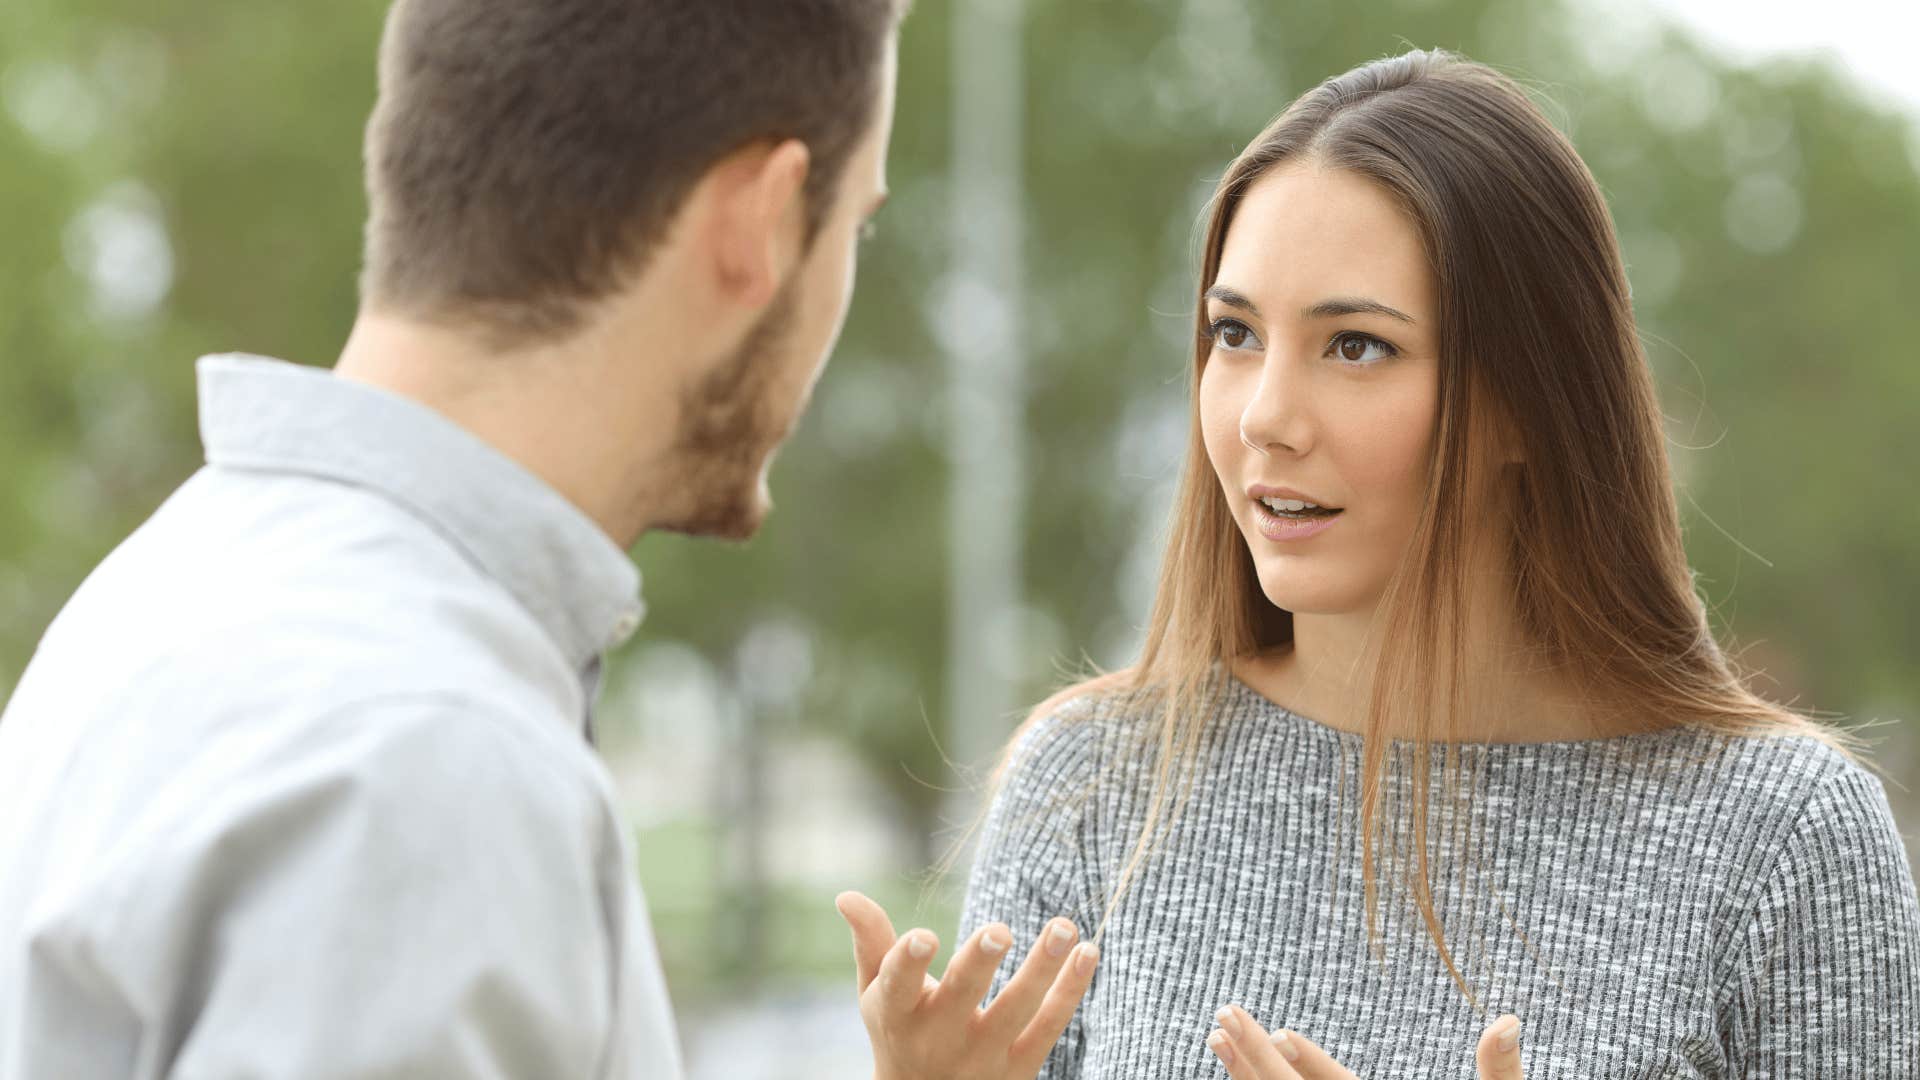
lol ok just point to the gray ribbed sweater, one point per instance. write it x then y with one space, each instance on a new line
1673 904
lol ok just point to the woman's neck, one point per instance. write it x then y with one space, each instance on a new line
1327 673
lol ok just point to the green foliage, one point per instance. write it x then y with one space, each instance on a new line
1771 219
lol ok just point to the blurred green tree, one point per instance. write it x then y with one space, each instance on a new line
184 178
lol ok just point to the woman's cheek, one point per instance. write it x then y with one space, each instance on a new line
1386 447
1412 449
1219 425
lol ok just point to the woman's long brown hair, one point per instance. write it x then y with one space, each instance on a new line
1536 334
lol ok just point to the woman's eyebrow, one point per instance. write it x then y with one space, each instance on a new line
1329 308
1353 305
1233 298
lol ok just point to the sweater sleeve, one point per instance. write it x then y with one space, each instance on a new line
1825 978
1030 865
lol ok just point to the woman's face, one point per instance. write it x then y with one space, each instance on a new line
1323 379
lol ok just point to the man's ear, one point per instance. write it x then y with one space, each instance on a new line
757 219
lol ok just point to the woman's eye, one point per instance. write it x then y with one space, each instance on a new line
1352 347
1233 335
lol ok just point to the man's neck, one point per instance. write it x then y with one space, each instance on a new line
576 433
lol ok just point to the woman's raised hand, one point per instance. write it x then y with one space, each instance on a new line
923 1028
1251 1054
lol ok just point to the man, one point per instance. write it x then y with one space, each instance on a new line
300 784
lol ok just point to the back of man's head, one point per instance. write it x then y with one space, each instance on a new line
524 157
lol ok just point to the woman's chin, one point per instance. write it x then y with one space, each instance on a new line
1288 593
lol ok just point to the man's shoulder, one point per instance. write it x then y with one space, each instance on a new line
429 773
282 593
241 543
441 751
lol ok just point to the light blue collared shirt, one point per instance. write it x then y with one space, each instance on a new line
299 783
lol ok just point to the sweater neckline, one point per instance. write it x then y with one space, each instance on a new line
1243 695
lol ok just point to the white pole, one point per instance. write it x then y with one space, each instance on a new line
986 392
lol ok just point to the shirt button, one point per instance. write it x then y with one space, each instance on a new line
625 627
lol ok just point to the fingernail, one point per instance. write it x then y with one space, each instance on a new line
1218 1041
1285 1046
1510 1038
1089 956
1228 1021
920 947
1058 939
993 942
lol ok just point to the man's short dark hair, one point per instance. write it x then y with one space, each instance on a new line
525 155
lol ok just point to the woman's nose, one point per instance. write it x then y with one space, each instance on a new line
1276 418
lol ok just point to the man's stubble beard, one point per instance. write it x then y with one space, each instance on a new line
731 425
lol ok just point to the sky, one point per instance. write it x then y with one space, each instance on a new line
1872 39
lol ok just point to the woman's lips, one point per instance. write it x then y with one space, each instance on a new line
1287 530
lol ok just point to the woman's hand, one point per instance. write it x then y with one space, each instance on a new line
923 1028
1251 1054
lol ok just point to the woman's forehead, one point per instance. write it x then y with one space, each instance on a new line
1303 232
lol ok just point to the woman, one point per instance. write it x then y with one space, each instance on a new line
1429 727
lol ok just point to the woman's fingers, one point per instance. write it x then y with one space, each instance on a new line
1499 1052
1238 1066
1293 1056
971 970
872 935
1242 1045
1307 1059
1013 1007
903 974
1029 1051
1250 1054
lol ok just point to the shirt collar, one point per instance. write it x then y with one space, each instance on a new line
258 413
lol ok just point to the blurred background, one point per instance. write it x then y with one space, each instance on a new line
974 508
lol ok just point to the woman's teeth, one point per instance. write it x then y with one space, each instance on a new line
1294 507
